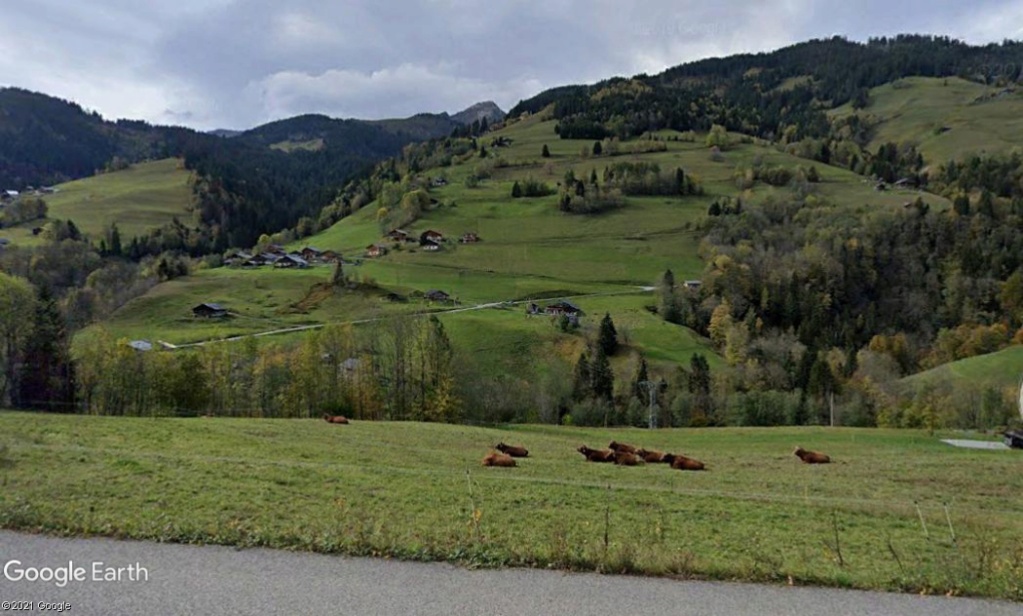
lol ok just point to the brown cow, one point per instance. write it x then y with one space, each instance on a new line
616 446
811 457
683 463
625 458
498 459
597 455
651 456
338 419
515 451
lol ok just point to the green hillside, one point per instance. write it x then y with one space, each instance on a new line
946 117
142 197
1001 369
528 249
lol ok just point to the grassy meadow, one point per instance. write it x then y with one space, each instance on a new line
1000 369
142 197
946 118
897 510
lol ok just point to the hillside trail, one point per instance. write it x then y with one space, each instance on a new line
302 328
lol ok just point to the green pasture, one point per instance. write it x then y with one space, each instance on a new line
897 510
142 197
946 118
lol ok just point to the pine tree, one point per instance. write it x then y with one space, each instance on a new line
46 380
602 379
597 148
114 247
699 375
545 153
581 386
669 308
607 339
516 190
337 279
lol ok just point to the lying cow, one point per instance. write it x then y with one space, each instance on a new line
683 463
616 446
597 455
624 458
498 459
338 419
811 457
651 457
514 451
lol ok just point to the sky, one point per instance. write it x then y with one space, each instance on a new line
240 63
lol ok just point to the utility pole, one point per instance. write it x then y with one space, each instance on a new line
651 388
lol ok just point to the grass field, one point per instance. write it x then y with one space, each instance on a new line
946 118
1000 369
897 509
142 197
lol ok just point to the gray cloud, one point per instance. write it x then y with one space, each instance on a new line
237 63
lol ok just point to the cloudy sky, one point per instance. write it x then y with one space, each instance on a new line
239 63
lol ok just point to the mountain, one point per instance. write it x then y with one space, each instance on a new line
226 133
46 140
479 111
259 181
782 94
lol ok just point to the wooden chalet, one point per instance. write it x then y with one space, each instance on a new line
209 311
562 307
398 235
435 295
291 261
375 250
237 257
469 238
311 254
429 245
430 234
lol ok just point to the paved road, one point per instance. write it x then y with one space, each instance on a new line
214 581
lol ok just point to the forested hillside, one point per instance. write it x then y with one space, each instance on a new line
775 95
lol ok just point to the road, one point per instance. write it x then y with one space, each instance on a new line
214 581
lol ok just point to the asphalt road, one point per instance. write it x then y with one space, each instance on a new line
211 581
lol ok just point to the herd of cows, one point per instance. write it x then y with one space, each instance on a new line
617 453
628 455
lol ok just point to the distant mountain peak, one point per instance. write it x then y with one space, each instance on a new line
485 109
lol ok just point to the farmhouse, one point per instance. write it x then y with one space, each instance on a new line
435 295
209 311
433 236
375 250
563 307
429 245
469 238
692 285
311 254
291 261
329 256
237 257
398 235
